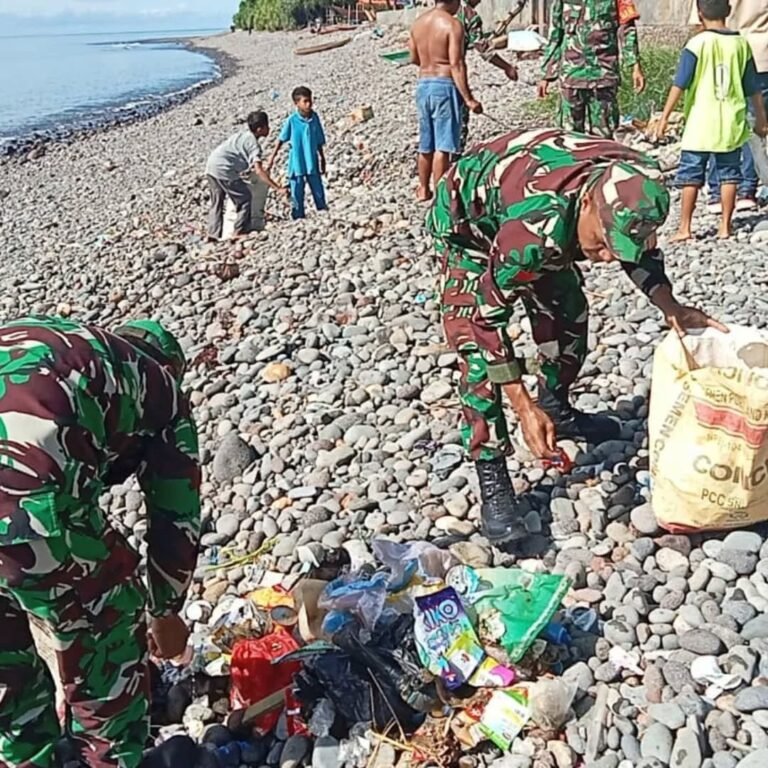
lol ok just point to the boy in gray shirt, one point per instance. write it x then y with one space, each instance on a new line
233 159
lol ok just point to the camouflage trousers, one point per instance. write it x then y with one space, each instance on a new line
590 110
559 313
83 590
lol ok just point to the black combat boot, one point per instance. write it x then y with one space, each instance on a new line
573 424
502 521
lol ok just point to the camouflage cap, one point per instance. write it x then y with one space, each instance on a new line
632 202
159 339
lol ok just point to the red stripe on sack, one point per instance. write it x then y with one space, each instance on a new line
731 422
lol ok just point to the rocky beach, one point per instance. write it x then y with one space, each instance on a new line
325 396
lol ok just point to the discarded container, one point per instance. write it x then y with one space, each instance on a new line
259 192
307 593
505 716
361 115
255 678
445 638
525 41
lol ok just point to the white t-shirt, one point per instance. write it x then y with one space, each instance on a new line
750 18
235 156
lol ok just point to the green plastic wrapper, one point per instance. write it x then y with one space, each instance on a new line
513 606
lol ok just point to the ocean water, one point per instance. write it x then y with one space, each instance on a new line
53 82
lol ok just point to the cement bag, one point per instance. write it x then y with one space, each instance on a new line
707 425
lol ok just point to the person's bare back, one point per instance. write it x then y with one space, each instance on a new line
431 36
437 48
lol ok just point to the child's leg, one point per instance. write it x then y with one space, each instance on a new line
690 176
687 207
318 192
297 197
728 166
728 199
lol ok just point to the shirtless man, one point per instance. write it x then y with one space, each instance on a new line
437 48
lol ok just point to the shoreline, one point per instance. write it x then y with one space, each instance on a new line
34 144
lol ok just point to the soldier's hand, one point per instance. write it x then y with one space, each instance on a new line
543 88
681 318
168 637
660 130
539 432
638 78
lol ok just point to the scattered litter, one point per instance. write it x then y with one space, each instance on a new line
361 115
705 669
505 716
404 652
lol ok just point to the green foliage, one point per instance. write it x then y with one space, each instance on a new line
659 65
271 15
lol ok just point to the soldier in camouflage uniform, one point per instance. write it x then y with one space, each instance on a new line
475 37
80 410
583 52
510 220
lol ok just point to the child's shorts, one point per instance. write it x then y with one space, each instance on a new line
693 167
439 103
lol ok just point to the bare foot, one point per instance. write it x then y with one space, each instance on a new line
681 237
423 195
723 234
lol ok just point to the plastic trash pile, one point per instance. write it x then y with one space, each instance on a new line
410 658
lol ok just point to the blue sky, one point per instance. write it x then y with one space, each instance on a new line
73 15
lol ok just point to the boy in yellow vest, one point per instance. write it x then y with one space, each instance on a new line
717 74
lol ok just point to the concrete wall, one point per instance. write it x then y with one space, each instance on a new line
653 13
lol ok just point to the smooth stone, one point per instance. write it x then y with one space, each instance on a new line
671 560
670 714
756 628
751 699
756 759
295 750
657 742
644 520
702 642
687 750
232 458
746 541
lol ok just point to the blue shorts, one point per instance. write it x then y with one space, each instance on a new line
693 167
439 103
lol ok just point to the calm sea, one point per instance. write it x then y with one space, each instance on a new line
52 82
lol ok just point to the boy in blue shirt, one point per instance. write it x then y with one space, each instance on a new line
306 160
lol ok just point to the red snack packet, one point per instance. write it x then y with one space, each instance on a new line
562 462
627 11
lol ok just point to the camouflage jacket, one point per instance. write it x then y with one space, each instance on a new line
584 43
473 26
511 207
80 410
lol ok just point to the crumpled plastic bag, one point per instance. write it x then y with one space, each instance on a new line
513 606
550 702
357 595
375 682
415 558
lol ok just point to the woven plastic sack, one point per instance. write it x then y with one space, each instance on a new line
707 424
